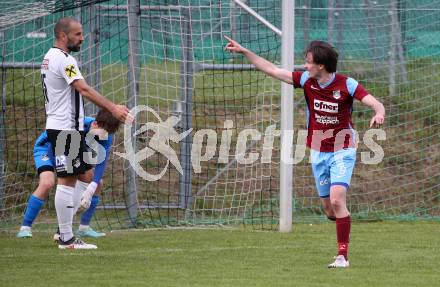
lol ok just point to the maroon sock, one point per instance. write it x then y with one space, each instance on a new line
343 235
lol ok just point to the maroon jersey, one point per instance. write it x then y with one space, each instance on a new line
329 109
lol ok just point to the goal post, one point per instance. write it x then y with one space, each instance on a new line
287 103
133 76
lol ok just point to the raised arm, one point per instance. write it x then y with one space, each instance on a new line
119 111
379 110
260 63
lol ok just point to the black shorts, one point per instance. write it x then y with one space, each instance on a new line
69 154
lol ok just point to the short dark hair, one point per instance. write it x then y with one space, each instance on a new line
323 54
107 121
63 25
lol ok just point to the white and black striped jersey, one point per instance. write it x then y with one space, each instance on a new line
64 105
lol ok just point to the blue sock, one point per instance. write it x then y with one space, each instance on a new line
87 215
33 208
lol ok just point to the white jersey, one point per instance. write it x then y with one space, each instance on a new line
64 105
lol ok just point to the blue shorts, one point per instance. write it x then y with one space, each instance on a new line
332 168
43 157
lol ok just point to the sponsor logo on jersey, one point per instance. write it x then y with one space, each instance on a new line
45 64
76 163
324 181
70 71
60 160
337 94
326 120
342 170
325 106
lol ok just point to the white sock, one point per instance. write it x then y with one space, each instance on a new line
80 187
27 228
83 227
64 207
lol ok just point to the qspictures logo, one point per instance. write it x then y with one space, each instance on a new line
163 133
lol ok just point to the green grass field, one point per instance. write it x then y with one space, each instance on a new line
381 254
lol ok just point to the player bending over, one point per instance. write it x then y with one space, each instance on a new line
88 182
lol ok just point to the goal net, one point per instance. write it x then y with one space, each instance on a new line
167 59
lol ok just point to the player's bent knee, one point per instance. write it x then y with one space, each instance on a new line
329 210
47 185
43 189
337 203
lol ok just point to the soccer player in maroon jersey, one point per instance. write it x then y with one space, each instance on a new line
330 135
